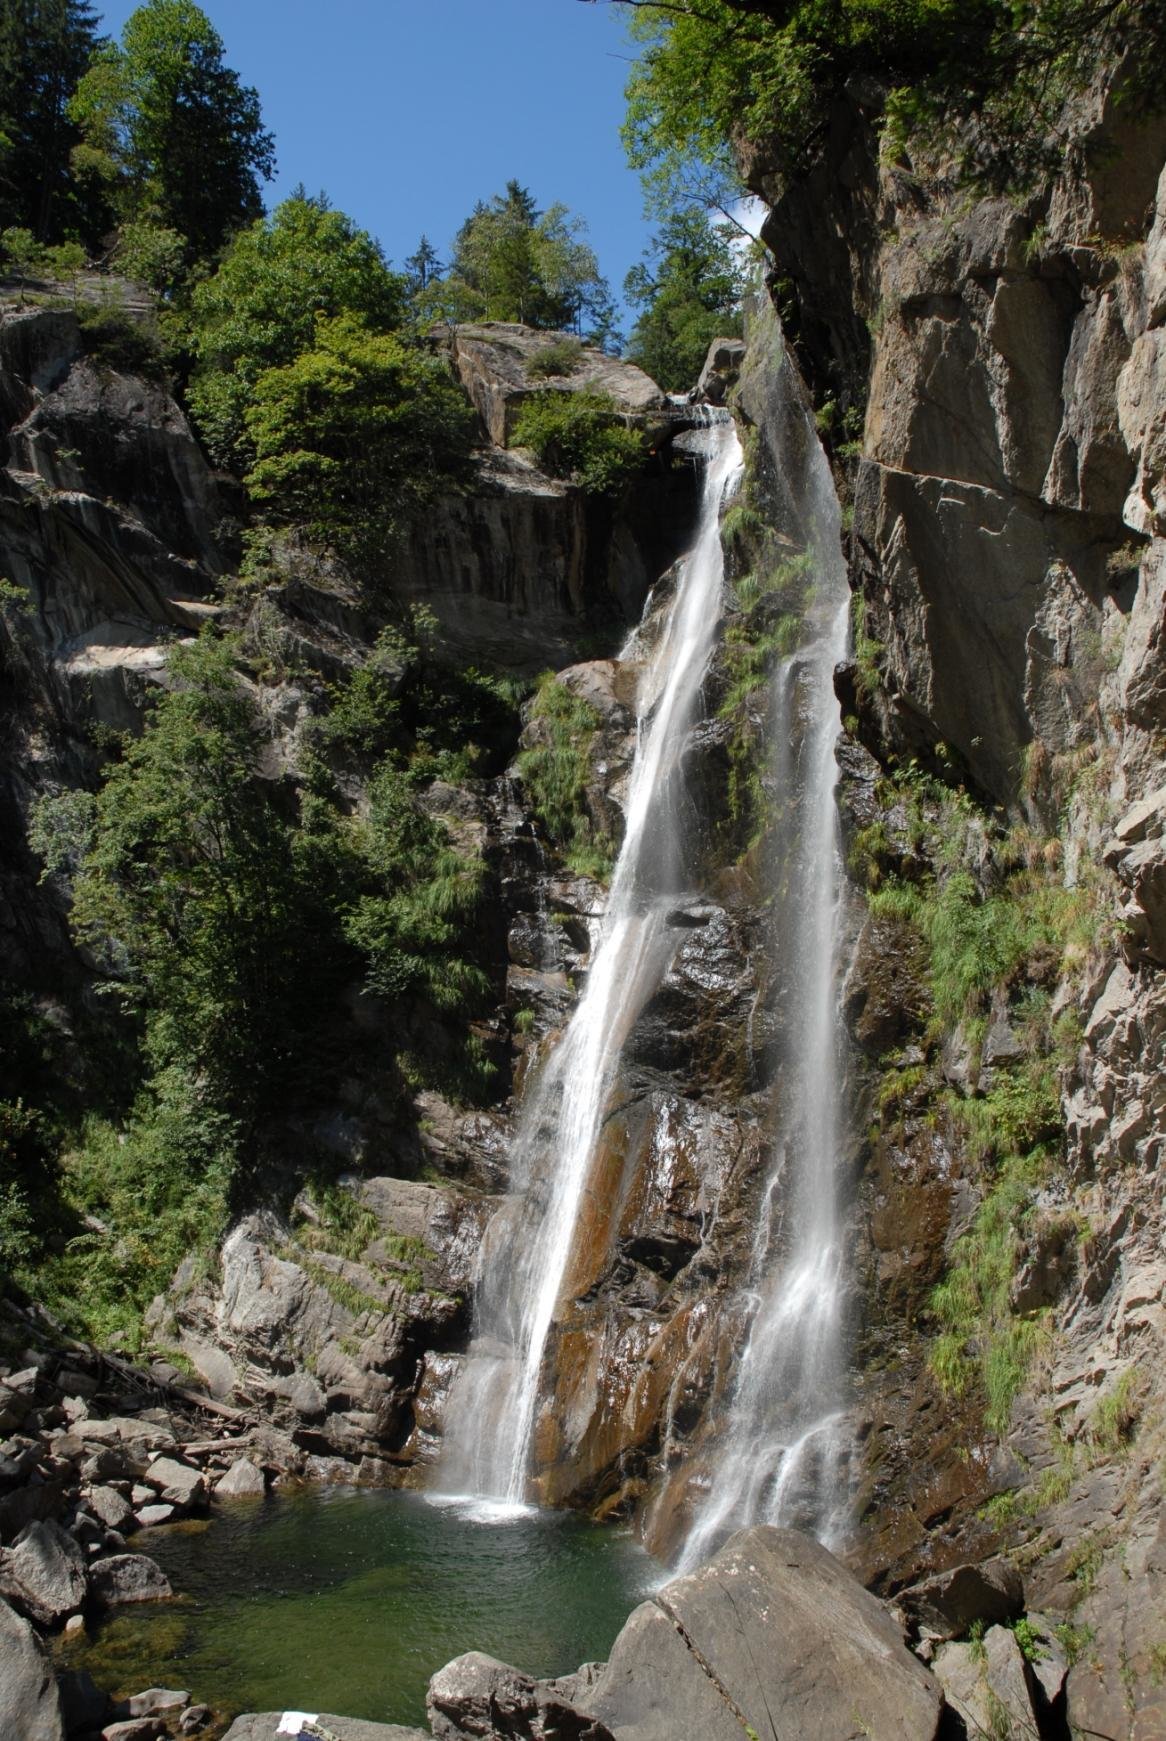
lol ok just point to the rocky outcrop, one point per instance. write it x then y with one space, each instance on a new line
772 1637
494 362
30 1705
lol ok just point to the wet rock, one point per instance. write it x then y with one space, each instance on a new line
84 1705
475 1695
30 1706
241 1480
44 1573
949 1603
773 1634
128 1578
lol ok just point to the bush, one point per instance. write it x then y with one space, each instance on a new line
116 340
555 772
354 436
560 357
580 437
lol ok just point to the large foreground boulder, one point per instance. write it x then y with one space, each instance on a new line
43 1573
774 1637
30 1708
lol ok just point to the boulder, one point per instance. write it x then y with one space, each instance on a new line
493 359
262 1726
179 1485
153 1702
150 1516
722 365
987 1684
136 1729
948 1603
129 1578
774 1635
242 1480
475 1695
30 1706
109 1505
44 1573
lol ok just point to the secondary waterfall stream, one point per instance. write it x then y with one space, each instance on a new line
782 1452
492 1409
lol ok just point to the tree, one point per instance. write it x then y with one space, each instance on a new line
422 266
512 262
45 48
712 72
259 310
690 289
354 436
170 131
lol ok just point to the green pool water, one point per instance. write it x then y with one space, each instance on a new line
347 1601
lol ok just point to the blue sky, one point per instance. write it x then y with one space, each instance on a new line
407 111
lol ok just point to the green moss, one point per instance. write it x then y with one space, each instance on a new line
867 651
555 771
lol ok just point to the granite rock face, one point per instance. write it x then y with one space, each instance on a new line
30 1706
773 1636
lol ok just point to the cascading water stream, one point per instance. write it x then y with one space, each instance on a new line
525 1255
781 1455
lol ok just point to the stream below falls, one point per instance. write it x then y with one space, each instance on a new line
348 1600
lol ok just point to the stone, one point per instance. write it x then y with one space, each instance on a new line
721 367
30 1705
475 1695
987 1684
194 1719
493 357
108 1504
242 1480
774 1634
135 1729
179 1485
948 1603
150 1516
128 1578
153 1702
43 1573
262 1726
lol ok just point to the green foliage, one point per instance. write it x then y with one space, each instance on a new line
555 771
354 436
151 254
426 715
581 437
343 1226
281 276
121 342
170 133
867 651
434 893
1029 1640
560 357
513 262
346 1294
770 74
689 289
1074 1640
45 48
132 1203
1115 1416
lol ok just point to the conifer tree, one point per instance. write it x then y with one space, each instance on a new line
46 47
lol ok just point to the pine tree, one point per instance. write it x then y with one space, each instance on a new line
46 47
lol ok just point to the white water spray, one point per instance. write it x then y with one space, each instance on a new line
781 1456
524 1260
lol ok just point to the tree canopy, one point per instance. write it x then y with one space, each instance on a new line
170 131
513 262
45 49
712 72
689 288
259 310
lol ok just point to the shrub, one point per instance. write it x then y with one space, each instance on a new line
580 437
555 771
560 357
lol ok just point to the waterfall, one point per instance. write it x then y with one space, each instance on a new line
780 1457
523 1264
